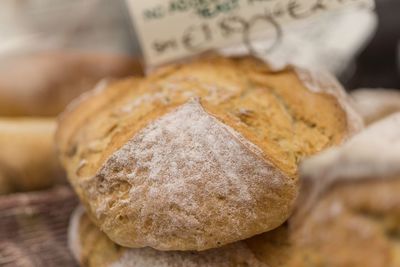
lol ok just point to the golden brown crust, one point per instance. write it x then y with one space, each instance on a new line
43 84
355 223
199 155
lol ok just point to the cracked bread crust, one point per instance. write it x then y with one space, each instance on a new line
199 155
356 222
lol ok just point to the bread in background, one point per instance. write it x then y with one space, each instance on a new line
43 83
27 156
92 248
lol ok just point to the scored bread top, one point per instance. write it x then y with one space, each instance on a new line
357 217
198 155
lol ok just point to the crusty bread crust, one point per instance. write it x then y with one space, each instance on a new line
357 215
199 155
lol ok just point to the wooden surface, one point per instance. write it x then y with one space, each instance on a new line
33 228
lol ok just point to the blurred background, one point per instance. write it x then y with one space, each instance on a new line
379 64
51 51
362 49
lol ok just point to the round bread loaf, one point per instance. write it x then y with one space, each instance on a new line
42 84
28 159
92 248
201 154
375 104
357 220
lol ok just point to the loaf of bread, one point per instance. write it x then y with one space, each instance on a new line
375 104
28 159
92 248
201 154
42 84
355 223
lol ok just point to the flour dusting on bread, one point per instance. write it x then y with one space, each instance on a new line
183 160
200 155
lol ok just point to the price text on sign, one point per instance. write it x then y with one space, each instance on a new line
174 29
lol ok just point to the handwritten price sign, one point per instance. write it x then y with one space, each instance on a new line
174 29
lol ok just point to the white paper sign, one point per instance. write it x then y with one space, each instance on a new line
173 29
